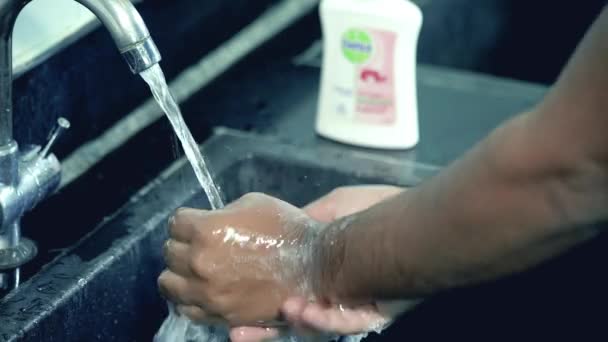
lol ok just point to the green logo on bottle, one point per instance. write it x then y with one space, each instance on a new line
357 46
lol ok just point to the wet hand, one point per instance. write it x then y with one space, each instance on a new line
317 321
316 318
237 266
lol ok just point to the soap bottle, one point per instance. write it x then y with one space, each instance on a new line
368 79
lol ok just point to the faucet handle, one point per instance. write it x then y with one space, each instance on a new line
62 125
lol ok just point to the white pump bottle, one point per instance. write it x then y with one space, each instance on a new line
368 80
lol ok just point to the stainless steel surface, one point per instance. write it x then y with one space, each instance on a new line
37 178
142 56
122 20
62 125
27 178
13 257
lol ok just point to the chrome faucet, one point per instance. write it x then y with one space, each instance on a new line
29 175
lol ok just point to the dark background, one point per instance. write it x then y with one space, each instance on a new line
521 39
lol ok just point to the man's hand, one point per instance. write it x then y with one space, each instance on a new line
316 317
237 266
348 200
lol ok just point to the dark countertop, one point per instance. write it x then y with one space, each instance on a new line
456 108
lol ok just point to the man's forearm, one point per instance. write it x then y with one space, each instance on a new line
477 220
512 202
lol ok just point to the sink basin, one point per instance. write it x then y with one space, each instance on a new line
104 288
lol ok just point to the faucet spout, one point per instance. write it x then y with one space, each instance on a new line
128 30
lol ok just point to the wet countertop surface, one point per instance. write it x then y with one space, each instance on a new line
279 98
456 109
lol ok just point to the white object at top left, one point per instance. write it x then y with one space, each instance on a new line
44 27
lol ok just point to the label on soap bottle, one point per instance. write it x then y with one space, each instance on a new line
372 52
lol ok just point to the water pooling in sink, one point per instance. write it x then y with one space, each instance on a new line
178 328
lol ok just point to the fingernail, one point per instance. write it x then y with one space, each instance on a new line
178 212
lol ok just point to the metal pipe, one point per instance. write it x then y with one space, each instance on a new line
10 238
128 30
9 10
